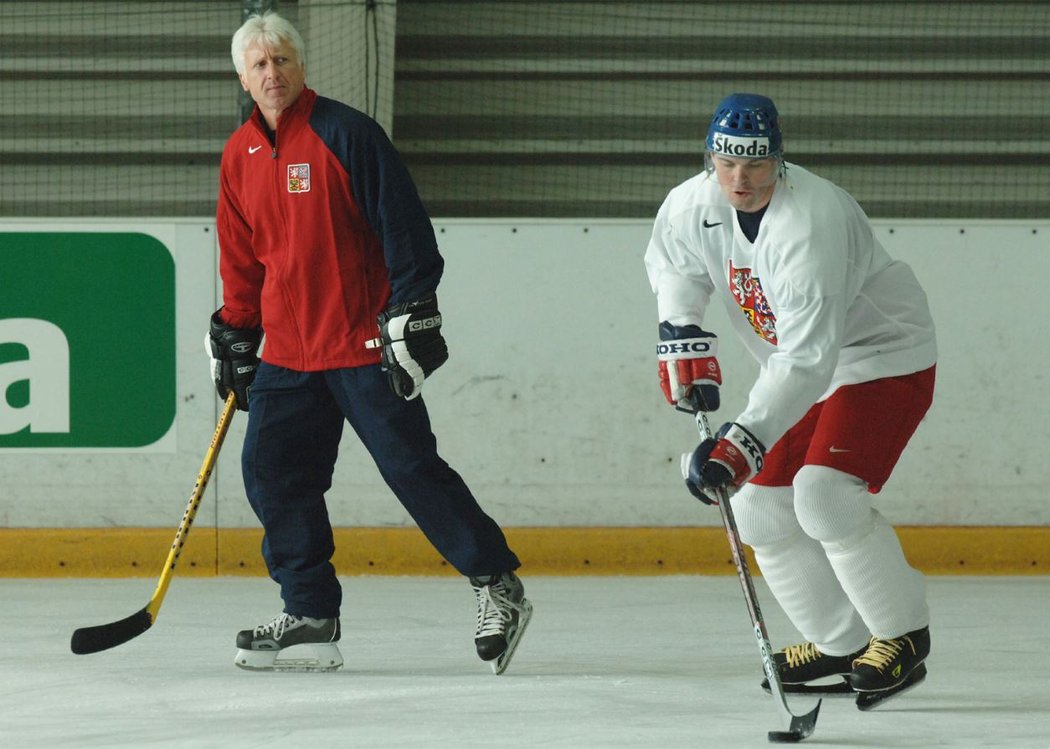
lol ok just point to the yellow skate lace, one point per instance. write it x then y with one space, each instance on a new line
798 655
881 653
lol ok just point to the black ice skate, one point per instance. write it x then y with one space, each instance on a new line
890 667
503 614
290 643
805 670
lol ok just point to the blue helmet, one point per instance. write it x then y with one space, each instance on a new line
745 126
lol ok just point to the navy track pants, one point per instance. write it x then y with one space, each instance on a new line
295 422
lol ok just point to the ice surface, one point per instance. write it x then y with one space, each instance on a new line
634 662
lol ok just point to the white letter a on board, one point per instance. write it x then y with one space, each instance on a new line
46 369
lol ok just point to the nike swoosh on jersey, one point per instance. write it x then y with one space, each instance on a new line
253 149
709 225
838 450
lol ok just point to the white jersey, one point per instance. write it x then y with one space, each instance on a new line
816 298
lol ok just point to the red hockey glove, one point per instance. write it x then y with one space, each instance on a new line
727 461
686 360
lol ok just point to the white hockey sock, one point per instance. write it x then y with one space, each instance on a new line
835 508
889 594
799 575
796 569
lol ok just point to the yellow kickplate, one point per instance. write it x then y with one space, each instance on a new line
140 552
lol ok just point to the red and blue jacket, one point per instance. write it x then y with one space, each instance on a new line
320 227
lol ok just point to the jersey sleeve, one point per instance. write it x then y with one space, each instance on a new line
242 274
678 275
796 375
810 290
389 200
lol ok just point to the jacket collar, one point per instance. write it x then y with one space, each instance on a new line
290 118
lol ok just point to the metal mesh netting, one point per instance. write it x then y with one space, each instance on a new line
921 109
547 109
115 108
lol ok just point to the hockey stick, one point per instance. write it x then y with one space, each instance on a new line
104 636
801 726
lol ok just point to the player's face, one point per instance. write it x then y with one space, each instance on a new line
274 77
748 183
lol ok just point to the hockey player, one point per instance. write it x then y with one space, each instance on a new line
326 248
847 353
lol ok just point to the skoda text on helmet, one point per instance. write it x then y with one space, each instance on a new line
745 126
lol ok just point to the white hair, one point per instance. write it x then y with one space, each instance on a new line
267 30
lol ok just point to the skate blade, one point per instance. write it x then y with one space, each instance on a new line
840 688
871 700
313 657
499 665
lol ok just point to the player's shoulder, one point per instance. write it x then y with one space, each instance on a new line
696 192
802 177
330 112
811 187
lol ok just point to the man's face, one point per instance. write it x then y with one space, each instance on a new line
274 77
748 183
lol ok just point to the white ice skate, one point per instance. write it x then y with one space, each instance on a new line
503 615
290 643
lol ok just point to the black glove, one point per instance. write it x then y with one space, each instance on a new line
413 346
234 358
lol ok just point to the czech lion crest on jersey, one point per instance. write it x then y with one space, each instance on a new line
298 178
747 290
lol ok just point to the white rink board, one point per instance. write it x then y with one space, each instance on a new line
549 405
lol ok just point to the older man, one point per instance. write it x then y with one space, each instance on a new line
326 248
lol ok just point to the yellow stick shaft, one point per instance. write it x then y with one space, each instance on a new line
191 509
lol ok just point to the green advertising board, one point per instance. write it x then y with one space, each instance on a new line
87 340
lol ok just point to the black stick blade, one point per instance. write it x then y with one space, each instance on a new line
804 724
785 737
801 727
105 636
